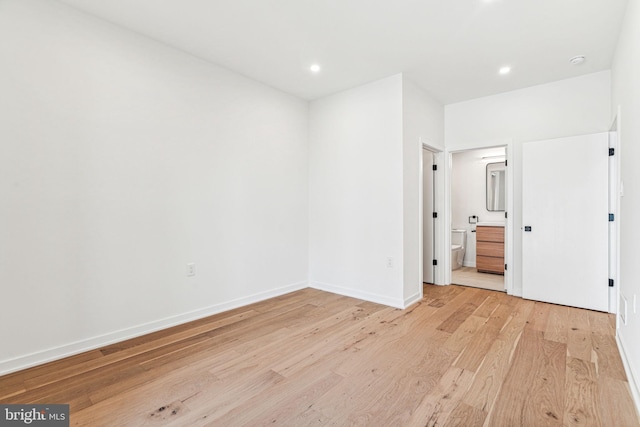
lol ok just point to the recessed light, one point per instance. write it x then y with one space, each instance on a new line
504 70
315 68
577 60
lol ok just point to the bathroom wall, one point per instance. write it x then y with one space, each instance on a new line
468 194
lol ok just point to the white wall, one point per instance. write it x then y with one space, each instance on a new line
468 194
365 183
626 95
356 182
423 122
121 161
564 108
569 107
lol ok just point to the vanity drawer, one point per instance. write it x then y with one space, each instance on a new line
490 264
490 249
490 234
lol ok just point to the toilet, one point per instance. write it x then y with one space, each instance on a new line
458 246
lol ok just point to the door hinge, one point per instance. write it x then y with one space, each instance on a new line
435 262
612 217
611 283
434 167
505 163
435 214
505 214
505 267
612 151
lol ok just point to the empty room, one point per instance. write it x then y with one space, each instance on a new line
297 213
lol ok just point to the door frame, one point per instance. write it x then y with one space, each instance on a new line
509 220
438 206
426 151
614 207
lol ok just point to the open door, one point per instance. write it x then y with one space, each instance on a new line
428 202
565 221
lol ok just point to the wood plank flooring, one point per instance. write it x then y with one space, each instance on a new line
460 357
469 276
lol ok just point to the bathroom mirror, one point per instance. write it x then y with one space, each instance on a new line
496 186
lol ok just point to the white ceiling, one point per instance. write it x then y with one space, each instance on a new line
452 48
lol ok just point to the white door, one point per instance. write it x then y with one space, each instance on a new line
427 214
565 221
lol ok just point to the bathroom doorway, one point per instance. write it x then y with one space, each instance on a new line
478 223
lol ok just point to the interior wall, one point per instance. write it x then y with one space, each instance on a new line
423 123
122 161
626 96
468 195
365 189
356 192
568 107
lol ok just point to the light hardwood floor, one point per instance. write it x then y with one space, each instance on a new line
469 276
460 357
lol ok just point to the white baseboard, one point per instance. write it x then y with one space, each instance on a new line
516 292
356 293
634 380
38 358
412 299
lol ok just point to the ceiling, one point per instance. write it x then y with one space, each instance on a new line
451 48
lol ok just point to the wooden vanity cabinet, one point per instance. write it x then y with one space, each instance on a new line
490 249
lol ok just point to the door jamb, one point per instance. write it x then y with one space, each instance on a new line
509 221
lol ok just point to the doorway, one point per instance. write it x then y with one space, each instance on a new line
478 218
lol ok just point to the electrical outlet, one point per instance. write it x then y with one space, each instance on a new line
390 262
191 269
